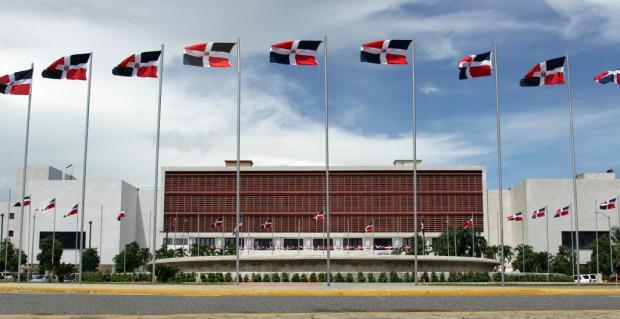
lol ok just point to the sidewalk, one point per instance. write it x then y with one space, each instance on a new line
306 289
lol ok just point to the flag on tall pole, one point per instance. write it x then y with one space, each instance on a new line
608 76
17 83
238 219
539 213
121 216
26 202
369 228
72 211
550 72
475 65
518 216
294 52
143 65
51 204
209 55
72 67
564 211
608 204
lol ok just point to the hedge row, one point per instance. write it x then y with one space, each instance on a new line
134 277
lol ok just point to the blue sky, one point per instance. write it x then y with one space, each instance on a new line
282 105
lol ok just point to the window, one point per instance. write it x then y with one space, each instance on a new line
10 233
293 244
67 238
383 243
262 243
11 215
585 238
206 241
230 242
320 243
176 241
352 243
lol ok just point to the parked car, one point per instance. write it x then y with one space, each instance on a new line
38 278
6 276
72 277
586 278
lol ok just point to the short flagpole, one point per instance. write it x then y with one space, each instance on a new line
23 192
572 241
415 164
500 174
156 175
548 258
327 206
30 233
34 223
523 240
82 205
6 246
596 233
101 233
238 168
473 237
574 166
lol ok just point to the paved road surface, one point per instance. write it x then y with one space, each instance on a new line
29 303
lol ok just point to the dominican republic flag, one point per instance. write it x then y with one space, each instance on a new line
142 65
50 205
369 228
267 224
17 83
539 213
209 55
319 217
121 215
296 52
516 217
72 67
385 52
608 204
475 66
422 227
468 223
561 212
72 211
173 223
26 202
219 222
608 76
549 72
239 225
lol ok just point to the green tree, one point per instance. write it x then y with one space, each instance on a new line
131 257
464 245
534 262
603 255
90 260
164 252
561 263
45 256
11 257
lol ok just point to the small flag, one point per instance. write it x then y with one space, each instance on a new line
564 211
385 52
210 55
475 65
549 72
516 217
26 202
50 205
297 52
267 224
121 215
72 211
72 67
608 204
468 223
539 213
239 225
17 83
142 65
173 222
369 228
608 76
219 222
319 216
69 166
422 227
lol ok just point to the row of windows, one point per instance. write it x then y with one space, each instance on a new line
290 243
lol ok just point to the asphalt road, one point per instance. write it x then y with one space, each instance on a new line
85 304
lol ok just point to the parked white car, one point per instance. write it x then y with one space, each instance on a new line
586 278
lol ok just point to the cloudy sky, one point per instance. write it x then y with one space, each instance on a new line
282 110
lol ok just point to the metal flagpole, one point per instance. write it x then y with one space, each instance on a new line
77 230
547 221
572 242
473 237
23 192
238 169
198 238
574 166
34 219
456 253
8 219
596 233
29 236
500 173
54 237
299 237
415 164
82 206
101 233
156 177
523 242
447 234
327 206
611 252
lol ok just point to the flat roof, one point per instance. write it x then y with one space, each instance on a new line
321 168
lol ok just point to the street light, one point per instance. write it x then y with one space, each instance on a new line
611 256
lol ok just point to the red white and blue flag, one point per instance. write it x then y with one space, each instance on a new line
319 216
468 223
72 67
209 55
385 52
143 65
17 83
475 65
121 215
518 216
539 213
50 205
72 211
238 225
296 52
370 228
26 202
608 76
608 204
219 222
549 72
267 224
564 211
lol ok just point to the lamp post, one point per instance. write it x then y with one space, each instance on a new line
90 232
1 226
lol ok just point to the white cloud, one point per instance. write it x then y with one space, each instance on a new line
429 88
598 19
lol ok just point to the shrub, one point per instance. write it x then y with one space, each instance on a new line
256 277
164 272
313 277
96 276
203 278
228 277
371 277
266 278
246 278
407 277
275 277
219 277
303 278
383 277
322 277
361 277
285 277
295 277
442 277
394 277
349 277
434 277
339 278
424 277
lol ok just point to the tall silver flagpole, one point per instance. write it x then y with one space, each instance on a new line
8 219
23 192
500 173
30 233
523 242
596 232
574 166
34 222
156 177
415 164
327 207
547 221
82 206
101 232
238 168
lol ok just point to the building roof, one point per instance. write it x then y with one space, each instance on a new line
405 167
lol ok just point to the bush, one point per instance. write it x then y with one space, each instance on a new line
295 277
434 277
275 277
228 277
256 277
424 277
349 277
371 277
164 272
442 277
303 278
266 278
285 277
361 277
339 278
529 277
313 277
394 277
407 277
246 278
383 277
96 276
322 277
